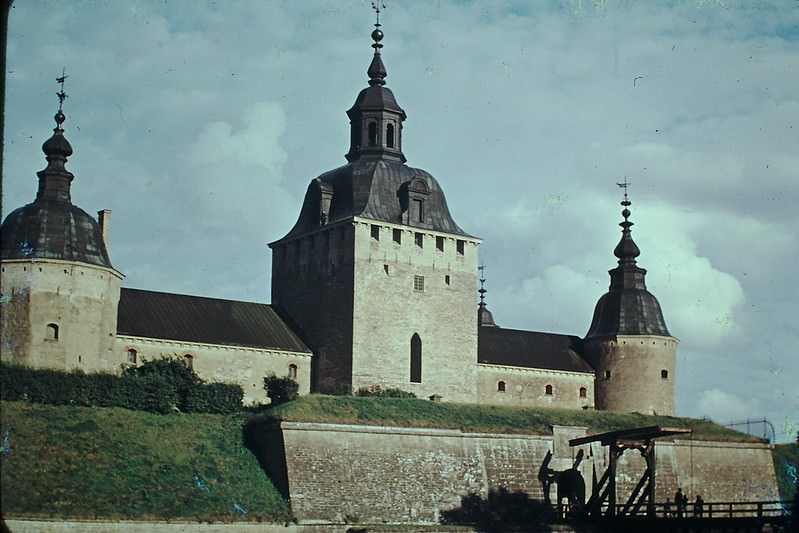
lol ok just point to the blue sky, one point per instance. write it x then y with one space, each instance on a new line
200 124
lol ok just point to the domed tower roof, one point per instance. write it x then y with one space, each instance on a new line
627 308
51 227
375 184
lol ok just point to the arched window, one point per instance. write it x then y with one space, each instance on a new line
132 356
664 374
52 332
583 392
416 358
390 135
293 371
189 360
373 134
501 386
548 390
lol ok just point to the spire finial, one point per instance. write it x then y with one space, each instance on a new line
626 250
61 94
377 72
482 289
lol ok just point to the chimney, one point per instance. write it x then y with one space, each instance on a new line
104 217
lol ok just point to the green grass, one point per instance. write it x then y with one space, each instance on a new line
786 465
114 463
406 412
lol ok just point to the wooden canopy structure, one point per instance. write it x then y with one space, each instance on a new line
603 494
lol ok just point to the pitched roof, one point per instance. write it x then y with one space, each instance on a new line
180 317
530 349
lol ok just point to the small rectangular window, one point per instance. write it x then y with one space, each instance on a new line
419 237
418 205
460 246
398 236
376 232
440 244
446 279
418 283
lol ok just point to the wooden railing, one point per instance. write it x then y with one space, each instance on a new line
757 509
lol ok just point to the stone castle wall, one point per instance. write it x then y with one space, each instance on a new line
634 373
59 314
423 285
229 364
528 387
334 472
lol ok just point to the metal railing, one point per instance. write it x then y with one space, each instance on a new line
758 509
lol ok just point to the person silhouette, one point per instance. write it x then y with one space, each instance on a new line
699 506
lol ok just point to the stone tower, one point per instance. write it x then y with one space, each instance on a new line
628 344
60 292
376 274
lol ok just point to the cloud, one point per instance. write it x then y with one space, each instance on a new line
719 406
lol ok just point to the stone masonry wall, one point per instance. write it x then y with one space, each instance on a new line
423 285
527 387
229 364
59 314
375 474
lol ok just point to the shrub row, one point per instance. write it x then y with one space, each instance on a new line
154 393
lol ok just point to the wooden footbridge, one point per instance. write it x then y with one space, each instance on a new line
640 511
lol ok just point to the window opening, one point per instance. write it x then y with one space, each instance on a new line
418 283
460 246
583 392
446 279
52 332
664 374
132 356
418 209
189 360
390 135
548 390
372 134
293 371
440 243
419 237
398 236
501 386
416 358
376 232
607 374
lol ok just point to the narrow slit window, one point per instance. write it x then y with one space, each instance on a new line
440 244
416 358
376 232
398 236
372 134
460 246
419 238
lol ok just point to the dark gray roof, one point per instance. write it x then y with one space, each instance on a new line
51 227
53 230
530 349
373 189
627 308
180 317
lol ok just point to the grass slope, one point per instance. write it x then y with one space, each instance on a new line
411 412
786 464
114 463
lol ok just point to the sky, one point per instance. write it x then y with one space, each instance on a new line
199 124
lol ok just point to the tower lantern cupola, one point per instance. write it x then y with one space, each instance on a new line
376 118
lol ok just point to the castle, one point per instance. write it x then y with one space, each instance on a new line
375 285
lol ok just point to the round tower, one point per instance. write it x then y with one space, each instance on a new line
628 345
60 292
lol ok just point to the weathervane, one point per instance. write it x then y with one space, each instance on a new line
482 290
624 186
61 94
377 5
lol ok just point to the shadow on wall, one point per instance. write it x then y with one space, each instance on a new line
268 447
501 510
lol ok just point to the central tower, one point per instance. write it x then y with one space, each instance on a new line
375 273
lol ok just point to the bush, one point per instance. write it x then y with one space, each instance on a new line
161 386
376 391
217 398
281 390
